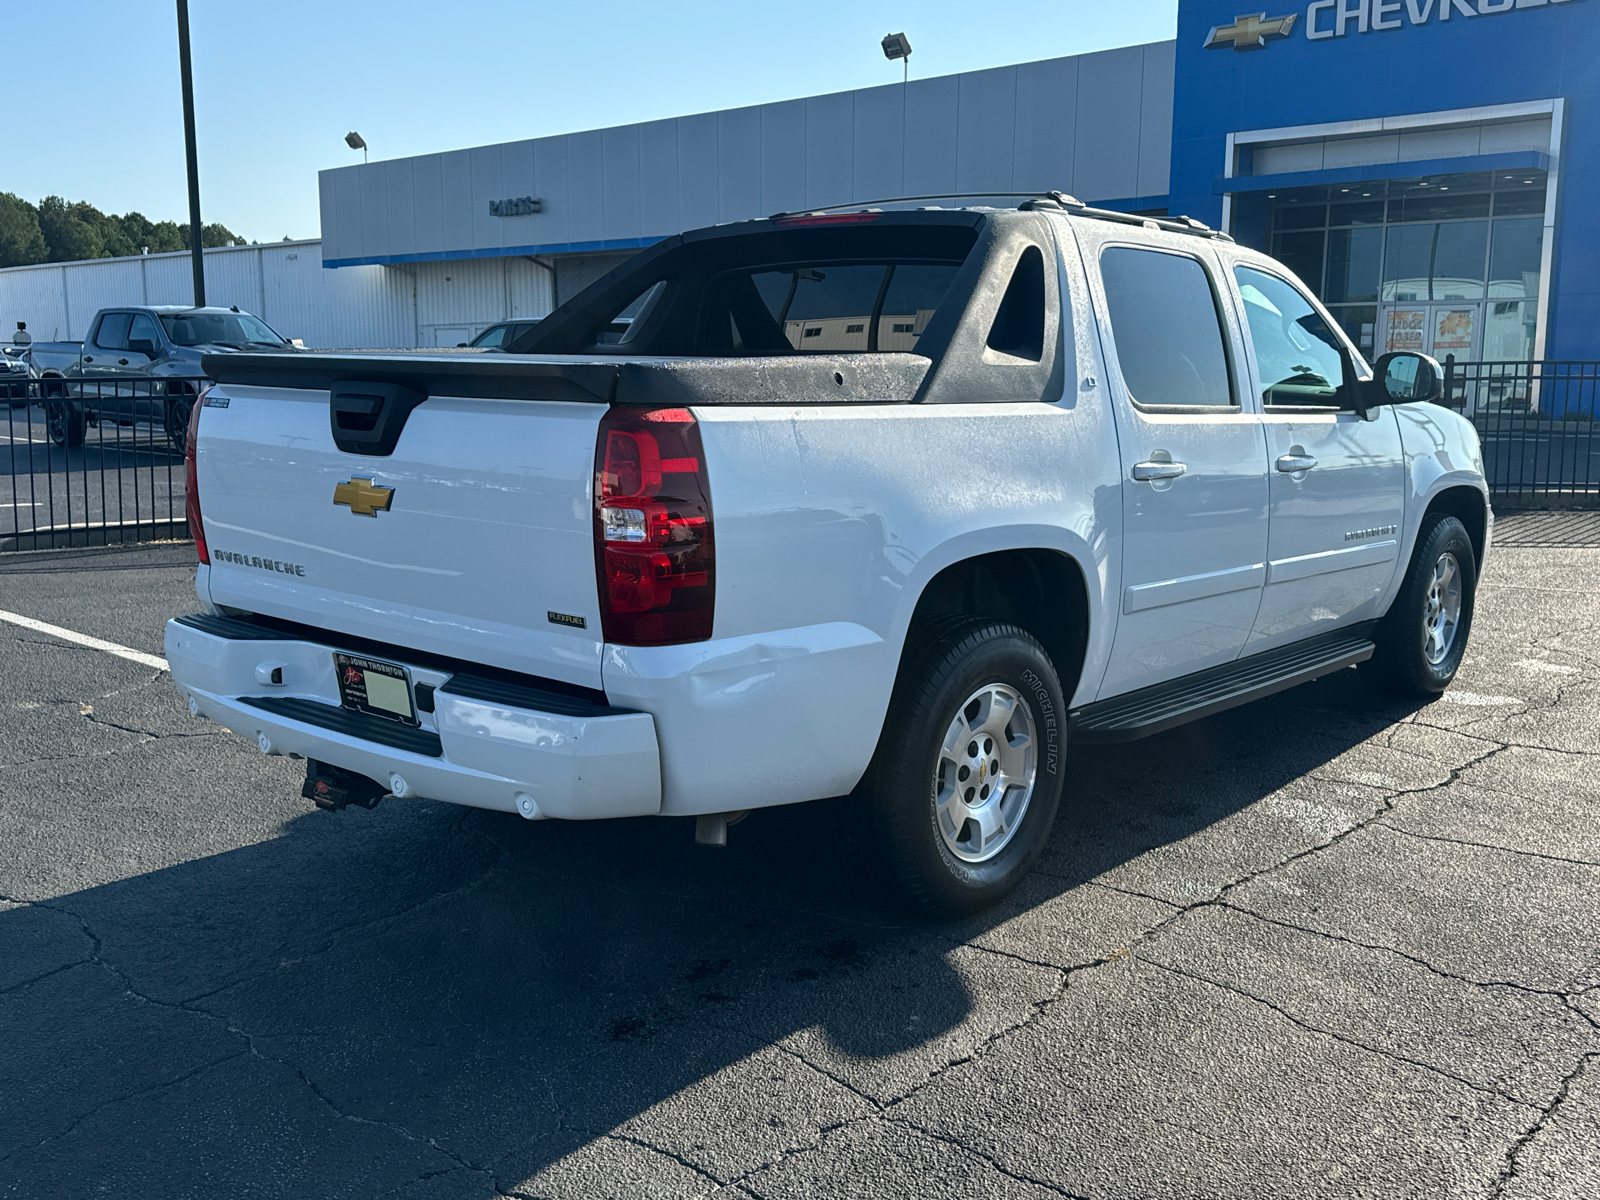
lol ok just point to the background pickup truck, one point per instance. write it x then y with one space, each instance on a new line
884 505
140 364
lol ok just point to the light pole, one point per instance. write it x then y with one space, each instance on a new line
355 141
189 153
898 45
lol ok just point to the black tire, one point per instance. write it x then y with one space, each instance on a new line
1406 664
177 421
64 420
943 668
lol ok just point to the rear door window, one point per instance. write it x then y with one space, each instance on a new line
1167 328
113 331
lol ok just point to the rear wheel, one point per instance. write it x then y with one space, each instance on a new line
964 787
63 419
177 420
1423 638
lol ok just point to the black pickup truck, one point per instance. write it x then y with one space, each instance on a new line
140 365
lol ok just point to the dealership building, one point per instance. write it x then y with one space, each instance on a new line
1429 168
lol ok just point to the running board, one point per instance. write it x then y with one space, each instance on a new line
1166 705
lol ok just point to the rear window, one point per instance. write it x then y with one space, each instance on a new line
855 308
859 289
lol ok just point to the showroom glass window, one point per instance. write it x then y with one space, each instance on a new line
1473 240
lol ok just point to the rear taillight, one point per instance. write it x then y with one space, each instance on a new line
654 552
191 485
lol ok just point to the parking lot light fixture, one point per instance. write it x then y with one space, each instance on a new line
356 142
898 45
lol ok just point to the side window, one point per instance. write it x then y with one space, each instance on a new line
144 329
113 331
1299 357
1168 332
491 337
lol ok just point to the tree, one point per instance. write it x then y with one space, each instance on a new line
21 240
70 232
69 237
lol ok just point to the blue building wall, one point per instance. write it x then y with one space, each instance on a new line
1505 51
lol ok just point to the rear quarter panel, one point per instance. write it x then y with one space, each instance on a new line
830 522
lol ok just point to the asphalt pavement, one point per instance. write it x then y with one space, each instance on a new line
129 477
1323 945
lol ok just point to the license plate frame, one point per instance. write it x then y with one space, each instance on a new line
355 672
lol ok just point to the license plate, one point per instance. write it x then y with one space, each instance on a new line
370 686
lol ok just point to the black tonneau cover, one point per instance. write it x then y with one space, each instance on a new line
783 379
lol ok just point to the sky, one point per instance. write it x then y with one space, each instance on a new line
96 113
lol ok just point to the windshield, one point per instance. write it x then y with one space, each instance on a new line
218 329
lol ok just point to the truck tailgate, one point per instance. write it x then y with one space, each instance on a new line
485 551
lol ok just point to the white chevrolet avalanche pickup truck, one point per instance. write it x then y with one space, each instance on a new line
891 504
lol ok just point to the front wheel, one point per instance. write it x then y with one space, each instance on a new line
1423 638
966 780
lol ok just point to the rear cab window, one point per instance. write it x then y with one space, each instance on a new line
1171 342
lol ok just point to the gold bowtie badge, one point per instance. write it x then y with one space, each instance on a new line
363 497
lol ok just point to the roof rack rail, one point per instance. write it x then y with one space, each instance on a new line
1034 202
864 204
1171 224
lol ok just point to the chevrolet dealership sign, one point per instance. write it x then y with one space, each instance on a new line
1339 18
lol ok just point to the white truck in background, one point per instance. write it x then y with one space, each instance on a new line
1127 474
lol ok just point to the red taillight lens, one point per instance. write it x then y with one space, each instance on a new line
191 486
653 547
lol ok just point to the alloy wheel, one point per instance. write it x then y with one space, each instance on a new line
984 776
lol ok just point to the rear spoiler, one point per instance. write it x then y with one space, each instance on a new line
595 379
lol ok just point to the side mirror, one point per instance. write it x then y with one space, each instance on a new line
1406 378
142 346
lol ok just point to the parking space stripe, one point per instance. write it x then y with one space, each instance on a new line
83 639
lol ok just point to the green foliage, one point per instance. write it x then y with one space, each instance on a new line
21 240
62 231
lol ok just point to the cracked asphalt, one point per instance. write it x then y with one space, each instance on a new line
1323 945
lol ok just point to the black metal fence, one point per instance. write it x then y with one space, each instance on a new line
1540 427
93 462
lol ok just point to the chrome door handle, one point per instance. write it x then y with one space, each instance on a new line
1293 464
1146 471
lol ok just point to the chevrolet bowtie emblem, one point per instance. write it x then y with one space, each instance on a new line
1250 32
363 497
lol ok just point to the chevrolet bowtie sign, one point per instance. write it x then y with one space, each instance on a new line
1250 32
1340 18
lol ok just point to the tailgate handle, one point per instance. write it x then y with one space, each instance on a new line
367 418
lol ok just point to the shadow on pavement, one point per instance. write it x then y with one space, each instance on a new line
375 998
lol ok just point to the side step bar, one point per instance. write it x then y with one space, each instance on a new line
1166 705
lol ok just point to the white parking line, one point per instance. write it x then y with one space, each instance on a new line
83 639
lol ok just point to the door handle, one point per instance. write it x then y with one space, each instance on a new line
88 358
1294 464
1145 472
122 362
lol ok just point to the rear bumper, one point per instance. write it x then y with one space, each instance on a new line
486 745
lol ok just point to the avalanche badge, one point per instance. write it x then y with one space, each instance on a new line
363 497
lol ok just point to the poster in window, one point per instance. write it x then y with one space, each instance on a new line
1406 327
1452 332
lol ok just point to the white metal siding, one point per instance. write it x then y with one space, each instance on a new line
1097 125
283 283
